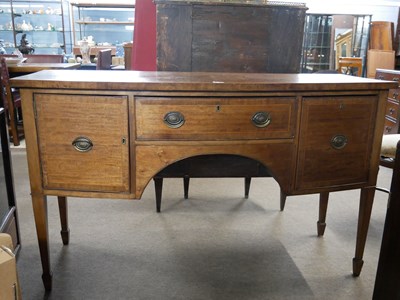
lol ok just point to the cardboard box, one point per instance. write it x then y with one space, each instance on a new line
9 285
6 240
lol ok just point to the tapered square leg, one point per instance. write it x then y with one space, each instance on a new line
39 203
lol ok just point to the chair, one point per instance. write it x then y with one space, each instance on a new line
388 150
104 60
12 103
44 58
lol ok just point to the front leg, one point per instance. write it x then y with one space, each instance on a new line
63 208
39 203
364 216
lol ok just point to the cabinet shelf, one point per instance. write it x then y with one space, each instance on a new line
105 23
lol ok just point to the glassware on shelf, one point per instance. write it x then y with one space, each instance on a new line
84 47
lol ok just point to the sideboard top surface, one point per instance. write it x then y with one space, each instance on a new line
198 81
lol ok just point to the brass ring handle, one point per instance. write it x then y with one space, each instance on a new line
174 119
339 141
82 144
261 119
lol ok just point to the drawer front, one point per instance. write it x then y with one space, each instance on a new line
335 141
69 163
391 126
394 94
387 76
214 118
392 109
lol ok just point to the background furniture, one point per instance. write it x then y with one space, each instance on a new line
111 25
350 65
381 35
43 22
305 129
320 33
229 37
379 59
44 58
26 68
12 103
392 115
387 280
104 60
380 54
128 51
8 207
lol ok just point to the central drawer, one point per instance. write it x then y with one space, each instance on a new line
201 118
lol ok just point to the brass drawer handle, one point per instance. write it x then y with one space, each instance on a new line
339 141
174 119
261 119
82 144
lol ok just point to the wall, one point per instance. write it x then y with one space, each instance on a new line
381 10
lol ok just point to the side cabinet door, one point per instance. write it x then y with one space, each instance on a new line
335 141
83 142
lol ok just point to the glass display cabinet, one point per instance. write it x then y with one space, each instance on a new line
7 37
104 25
42 24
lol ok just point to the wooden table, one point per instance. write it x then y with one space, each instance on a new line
316 133
26 68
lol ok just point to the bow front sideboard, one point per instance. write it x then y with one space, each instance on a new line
106 134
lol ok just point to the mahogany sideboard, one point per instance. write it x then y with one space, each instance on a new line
105 134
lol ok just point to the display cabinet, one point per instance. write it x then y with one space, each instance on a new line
6 27
8 209
41 22
105 25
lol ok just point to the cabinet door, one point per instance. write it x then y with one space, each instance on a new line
83 142
335 141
